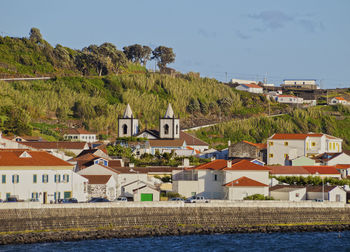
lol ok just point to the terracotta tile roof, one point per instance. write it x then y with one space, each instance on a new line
167 143
322 170
342 166
281 187
56 145
115 163
251 85
244 181
340 98
288 170
11 157
320 188
237 164
78 132
190 148
153 169
287 96
97 179
191 140
294 136
258 145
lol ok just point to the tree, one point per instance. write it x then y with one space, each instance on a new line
164 55
137 53
35 35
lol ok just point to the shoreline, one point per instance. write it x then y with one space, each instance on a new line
46 236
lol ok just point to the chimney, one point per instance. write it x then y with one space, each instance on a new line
212 158
229 143
131 165
229 163
185 162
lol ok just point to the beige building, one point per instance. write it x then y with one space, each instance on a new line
80 135
284 147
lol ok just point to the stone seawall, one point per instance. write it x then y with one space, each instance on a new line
52 224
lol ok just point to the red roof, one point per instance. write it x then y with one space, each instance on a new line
244 181
342 166
97 179
311 170
321 169
191 140
57 145
252 85
258 145
340 98
79 132
288 170
237 164
15 157
294 136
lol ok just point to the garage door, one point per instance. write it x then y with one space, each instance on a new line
146 197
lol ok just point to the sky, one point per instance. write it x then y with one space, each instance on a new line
222 39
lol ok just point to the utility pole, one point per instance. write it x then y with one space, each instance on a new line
226 76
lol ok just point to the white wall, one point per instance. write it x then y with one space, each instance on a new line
137 194
260 176
239 193
25 187
295 195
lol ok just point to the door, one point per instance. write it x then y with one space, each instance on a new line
44 197
337 197
146 197
67 195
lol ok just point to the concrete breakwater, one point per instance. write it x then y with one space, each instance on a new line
64 223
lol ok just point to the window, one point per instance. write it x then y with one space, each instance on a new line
45 178
65 178
166 129
35 178
57 195
215 177
297 195
313 144
3 179
177 129
35 195
193 193
285 143
67 195
15 179
271 143
125 129
57 178
271 155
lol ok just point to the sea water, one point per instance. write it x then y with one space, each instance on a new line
308 241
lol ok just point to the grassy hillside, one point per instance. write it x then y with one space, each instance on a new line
333 120
96 102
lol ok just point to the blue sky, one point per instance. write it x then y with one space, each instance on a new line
245 39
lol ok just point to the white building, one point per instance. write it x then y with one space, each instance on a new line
239 81
128 125
80 135
306 83
213 180
338 100
289 193
283 147
102 186
291 99
251 88
38 175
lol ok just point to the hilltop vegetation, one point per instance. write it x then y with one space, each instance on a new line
333 120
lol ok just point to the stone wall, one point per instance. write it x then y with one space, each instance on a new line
218 219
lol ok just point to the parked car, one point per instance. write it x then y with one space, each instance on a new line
1 201
71 200
122 199
95 200
197 199
11 199
176 199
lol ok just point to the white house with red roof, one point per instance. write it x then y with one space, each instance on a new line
80 135
338 100
284 147
222 179
101 186
37 175
251 88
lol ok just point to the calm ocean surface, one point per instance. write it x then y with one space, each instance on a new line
313 241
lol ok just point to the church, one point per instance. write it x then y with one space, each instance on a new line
169 137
